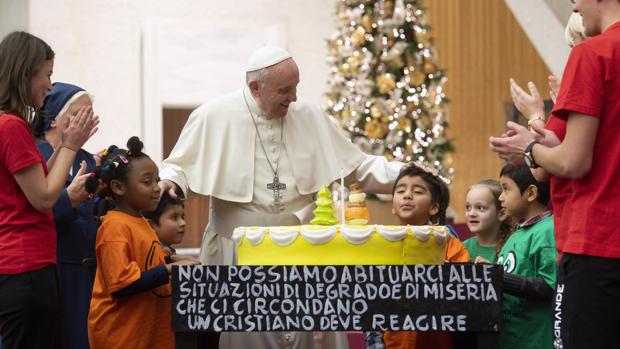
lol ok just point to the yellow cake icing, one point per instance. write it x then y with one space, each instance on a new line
341 245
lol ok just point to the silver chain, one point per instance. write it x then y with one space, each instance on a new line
277 162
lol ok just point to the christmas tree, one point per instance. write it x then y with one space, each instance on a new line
385 88
324 212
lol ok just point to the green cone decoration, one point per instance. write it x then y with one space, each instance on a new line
324 212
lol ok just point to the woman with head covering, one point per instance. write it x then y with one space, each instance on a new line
73 214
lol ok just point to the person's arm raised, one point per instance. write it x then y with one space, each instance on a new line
530 105
554 87
66 121
41 191
573 157
570 159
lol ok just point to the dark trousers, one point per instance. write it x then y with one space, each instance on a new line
29 309
76 287
209 340
586 307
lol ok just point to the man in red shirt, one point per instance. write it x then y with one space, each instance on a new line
587 310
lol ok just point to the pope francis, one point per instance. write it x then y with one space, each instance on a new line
261 155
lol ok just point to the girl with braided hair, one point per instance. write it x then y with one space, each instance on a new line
486 219
130 306
421 197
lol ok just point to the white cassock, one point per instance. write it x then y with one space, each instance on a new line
219 154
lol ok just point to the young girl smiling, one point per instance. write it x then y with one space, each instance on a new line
130 306
485 219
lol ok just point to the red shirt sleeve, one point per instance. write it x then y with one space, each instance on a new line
582 89
557 125
17 148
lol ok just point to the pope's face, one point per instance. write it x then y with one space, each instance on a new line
278 89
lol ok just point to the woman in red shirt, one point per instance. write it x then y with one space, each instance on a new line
29 308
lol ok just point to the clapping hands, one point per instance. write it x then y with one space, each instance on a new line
79 128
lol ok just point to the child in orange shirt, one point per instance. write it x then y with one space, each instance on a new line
422 198
130 306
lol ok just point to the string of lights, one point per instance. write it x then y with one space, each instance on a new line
385 88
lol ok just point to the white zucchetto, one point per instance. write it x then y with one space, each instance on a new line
266 56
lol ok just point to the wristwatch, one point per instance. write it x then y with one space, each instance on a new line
528 156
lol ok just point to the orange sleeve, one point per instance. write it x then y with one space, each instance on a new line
456 251
399 339
115 258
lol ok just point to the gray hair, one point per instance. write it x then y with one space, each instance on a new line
256 75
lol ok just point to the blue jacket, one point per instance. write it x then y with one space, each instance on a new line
76 228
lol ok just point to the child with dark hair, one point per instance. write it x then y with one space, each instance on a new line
130 306
421 197
529 260
168 220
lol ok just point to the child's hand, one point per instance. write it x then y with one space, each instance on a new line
182 262
481 260
178 258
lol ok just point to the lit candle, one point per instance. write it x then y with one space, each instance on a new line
342 205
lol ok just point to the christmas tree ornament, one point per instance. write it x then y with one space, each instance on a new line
385 83
417 78
357 37
376 111
375 129
366 22
429 68
404 123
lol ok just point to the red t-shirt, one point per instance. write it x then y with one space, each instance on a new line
591 86
560 188
27 236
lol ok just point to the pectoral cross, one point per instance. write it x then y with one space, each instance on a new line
276 186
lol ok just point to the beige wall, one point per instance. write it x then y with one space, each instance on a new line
98 45
13 16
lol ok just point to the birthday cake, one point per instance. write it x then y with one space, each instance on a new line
341 245
325 243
